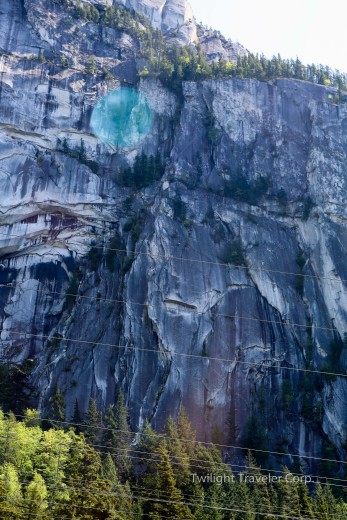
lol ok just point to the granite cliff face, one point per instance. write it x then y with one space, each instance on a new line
173 17
216 276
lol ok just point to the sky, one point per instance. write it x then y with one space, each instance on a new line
313 30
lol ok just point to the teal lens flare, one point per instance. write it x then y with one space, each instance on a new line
122 118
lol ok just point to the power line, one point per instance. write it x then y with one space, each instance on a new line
190 441
44 515
35 515
304 275
223 465
210 466
151 493
166 501
163 492
150 498
135 303
78 507
173 353
191 311
204 262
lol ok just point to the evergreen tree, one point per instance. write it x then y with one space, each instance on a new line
11 499
305 502
238 496
172 504
76 418
288 494
109 471
124 436
261 491
32 418
137 172
148 442
255 437
205 461
178 455
14 388
324 504
145 174
82 152
158 166
51 459
36 498
185 431
215 500
91 67
122 492
118 435
90 495
92 431
57 403
55 473
194 493
9 450
66 147
18 443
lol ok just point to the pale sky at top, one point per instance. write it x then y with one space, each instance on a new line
313 30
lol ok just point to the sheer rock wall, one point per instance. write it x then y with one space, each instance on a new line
163 327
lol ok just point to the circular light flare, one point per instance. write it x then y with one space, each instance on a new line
122 118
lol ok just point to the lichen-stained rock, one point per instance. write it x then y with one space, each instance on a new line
212 311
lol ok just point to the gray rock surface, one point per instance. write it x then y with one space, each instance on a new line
173 17
181 324
216 47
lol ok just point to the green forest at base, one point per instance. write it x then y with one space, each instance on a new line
98 469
